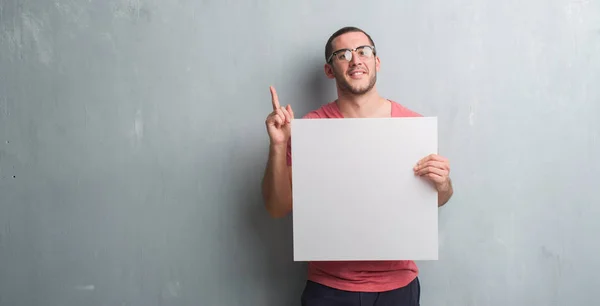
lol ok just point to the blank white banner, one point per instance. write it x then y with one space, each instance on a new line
355 194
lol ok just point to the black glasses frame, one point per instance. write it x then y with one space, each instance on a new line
351 50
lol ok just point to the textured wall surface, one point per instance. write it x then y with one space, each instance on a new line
132 144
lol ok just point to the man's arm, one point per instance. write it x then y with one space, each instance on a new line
445 193
277 183
277 179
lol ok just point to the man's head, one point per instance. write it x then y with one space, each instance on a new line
351 59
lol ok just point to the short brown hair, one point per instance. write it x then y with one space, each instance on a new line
344 30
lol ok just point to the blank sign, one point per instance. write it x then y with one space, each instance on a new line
355 194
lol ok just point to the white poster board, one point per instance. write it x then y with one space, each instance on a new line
355 194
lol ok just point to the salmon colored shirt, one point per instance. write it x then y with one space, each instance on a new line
360 276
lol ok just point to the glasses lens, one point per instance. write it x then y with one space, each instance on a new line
347 55
365 51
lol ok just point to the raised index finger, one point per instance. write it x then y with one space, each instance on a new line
274 98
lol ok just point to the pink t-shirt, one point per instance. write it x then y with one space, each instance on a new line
364 276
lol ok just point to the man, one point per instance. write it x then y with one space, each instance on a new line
351 59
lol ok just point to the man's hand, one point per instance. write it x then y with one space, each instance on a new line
278 121
437 170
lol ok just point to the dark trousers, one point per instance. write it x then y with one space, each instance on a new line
315 294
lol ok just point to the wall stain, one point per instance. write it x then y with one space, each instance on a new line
132 9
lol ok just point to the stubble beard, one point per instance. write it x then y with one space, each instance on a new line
345 86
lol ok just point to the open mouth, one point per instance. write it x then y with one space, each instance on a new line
357 74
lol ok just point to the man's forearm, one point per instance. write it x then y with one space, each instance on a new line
444 194
276 185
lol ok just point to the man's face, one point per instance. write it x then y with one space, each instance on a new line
358 75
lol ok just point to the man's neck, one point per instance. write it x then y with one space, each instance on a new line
369 105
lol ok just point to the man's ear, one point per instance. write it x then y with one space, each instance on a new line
377 63
328 71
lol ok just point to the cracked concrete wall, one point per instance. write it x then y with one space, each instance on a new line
132 144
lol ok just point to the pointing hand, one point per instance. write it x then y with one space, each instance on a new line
278 122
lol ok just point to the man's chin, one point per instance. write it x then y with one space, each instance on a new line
356 87
358 90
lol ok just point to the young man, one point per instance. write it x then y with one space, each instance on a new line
351 59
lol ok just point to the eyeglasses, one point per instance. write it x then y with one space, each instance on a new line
346 54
